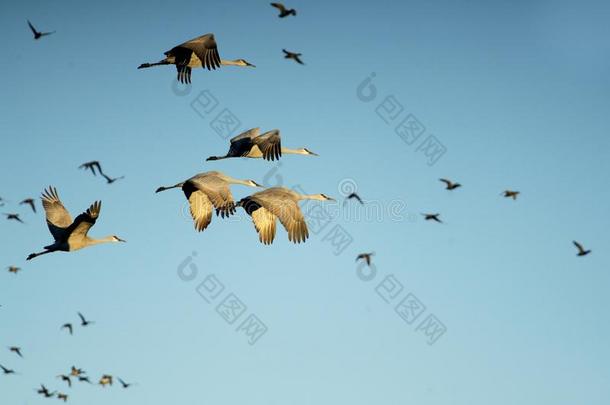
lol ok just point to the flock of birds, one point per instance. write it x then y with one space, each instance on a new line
205 192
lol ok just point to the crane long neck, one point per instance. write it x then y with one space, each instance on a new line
106 239
311 197
293 151
232 180
162 188
226 62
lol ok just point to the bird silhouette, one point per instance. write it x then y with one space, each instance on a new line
83 321
67 326
45 392
432 217
366 257
110 180
65 378
30 202
76 372
16 350
62 397
14 269
124 384
94 166
14 217
511 194
7 371
450 185
581 249
38 34
294 56
83 378
284 12
105 380
353 196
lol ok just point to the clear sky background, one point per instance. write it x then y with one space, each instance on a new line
517 92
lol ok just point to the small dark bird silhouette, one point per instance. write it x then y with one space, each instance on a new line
105 380
16 350
7 371
284 12
75 372
84 379
65 378
83 321
94 166
366 257
511 194
14 217
294 56
450 185
67 326
62 397
44 391
14 269
38 34
30 202
432 217
124 384
111 180
353 196
581 249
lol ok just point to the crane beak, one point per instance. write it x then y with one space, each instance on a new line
249 64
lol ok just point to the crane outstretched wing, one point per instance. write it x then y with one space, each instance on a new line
78 230
204 47
288 212
200 206
58 217
270 144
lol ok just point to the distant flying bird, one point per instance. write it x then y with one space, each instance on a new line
366 257
83 321
69 235
13 269
278 202
65 378
105 380
253 144
67 326
111 180
75 372
450 185
14 217
94 166
198 52
37 34
30 202
581 249
45 392
84 379
353 196
432 217
124 384
62 397
511 194
206 191
284 12
294 56
16 350
7 371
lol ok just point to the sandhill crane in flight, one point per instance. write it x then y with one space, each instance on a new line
208 190
62 397
279 202
353 196
45 392
581 249
14 217
83 321
30 202
70 235
14 269
76 372
7 371
105 380
67 326
511 194
65 378
198 52
284 12
366 257
94 166
84 379
450 185
16 350
111 180
294 56
253 144
38 34
432 217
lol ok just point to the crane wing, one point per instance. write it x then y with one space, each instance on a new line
78 230
219 193
206 50
249 134
288 212
32 28
200 205
264 223
270 144
58 218
279 6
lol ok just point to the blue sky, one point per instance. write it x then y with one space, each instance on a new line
516 92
